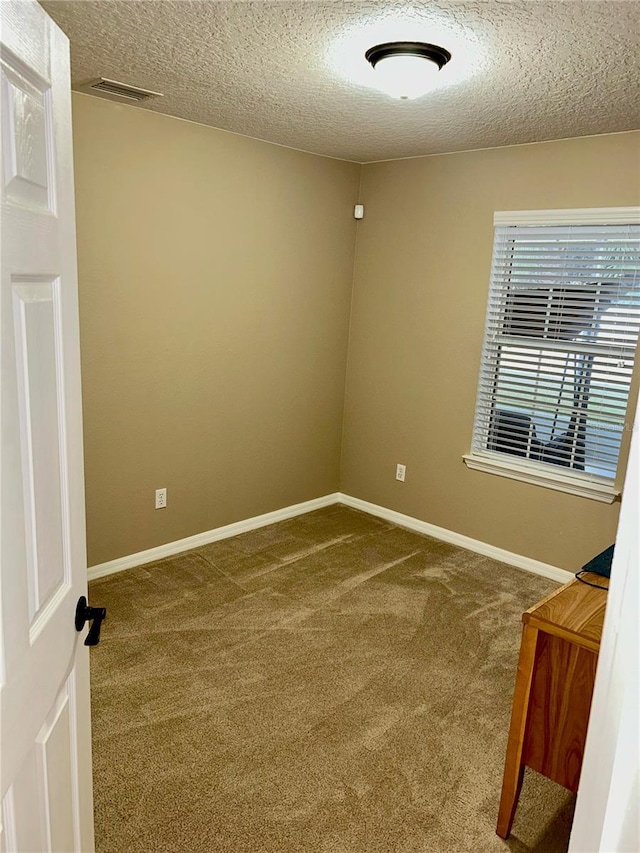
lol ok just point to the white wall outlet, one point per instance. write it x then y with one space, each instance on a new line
401 471
161 498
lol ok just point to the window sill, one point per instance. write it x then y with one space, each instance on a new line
529 474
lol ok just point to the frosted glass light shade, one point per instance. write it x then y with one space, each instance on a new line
405 76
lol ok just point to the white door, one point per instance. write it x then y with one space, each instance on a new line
607 814
45 770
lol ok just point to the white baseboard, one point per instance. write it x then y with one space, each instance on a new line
517 560
199 539
408 521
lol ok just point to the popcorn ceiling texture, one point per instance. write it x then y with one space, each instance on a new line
295 74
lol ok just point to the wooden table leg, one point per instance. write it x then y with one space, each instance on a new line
513 767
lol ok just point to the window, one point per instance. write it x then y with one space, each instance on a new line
562 326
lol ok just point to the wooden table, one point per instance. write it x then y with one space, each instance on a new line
554 685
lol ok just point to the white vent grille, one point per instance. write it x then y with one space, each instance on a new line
119 91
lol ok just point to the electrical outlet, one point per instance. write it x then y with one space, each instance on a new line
401 471
161 498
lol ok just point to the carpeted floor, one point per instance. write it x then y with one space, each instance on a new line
329 684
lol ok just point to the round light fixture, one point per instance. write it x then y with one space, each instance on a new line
406 69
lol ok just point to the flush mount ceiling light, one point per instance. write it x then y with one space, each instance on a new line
406 69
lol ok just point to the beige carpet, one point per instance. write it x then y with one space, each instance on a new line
331 683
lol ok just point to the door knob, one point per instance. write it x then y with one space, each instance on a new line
95 615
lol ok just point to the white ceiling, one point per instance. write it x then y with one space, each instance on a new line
294 72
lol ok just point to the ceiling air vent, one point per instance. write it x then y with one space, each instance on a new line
118 91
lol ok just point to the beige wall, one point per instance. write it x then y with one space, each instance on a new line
215 285
421 279
215 282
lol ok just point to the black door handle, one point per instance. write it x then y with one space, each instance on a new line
95 615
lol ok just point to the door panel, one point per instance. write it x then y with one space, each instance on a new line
27 143
56 774
24 829
36 308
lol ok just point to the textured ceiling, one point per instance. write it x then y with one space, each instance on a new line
294 72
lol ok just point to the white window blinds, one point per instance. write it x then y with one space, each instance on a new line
561 332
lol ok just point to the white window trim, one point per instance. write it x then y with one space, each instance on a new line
578 216
518 470
572 485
